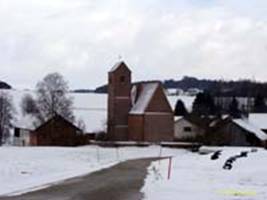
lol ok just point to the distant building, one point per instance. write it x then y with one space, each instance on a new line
55 132
193 91
186 129
236 132
174 92
139 112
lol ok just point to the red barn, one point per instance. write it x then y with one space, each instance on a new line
55 132
138 112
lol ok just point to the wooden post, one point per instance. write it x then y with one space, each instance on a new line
97 154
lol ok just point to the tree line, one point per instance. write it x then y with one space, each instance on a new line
205 105
239 88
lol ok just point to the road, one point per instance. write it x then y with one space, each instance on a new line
121 182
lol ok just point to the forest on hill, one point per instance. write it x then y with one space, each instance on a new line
238 88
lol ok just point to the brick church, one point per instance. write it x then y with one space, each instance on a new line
137 112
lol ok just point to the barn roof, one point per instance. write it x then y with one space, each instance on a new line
57 117
250 127
144 98
27 122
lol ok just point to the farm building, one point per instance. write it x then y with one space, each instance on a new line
187 129
236 132
137 112
57 131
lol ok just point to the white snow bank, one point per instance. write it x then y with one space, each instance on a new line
27 168
196 176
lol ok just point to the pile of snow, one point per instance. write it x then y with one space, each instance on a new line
24 169
196 176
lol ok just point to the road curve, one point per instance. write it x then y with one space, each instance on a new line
121 182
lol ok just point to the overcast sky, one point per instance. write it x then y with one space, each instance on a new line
158 39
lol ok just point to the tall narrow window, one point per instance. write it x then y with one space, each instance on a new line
122 79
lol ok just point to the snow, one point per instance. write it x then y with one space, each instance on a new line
247 125
259 119
188 101
144 98
24 169
116 66
90 107
195 176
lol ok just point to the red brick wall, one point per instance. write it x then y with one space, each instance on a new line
159 127
159 102
136 128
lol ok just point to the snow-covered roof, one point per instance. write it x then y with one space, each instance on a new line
117 65
147 92
27 122
259 119
177 118
252 128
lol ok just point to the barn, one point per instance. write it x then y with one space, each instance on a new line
236 132
56 131
188 129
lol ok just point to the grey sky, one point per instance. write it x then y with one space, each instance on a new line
158 39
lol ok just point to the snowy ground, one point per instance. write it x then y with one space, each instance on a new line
28 168
196 176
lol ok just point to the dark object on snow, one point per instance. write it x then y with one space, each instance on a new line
228 166
229 162
254 150
216 155
244 154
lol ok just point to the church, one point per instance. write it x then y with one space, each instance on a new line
137 112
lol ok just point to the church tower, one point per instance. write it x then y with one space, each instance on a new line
119 101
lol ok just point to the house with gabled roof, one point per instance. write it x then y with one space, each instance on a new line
137 112
57 131
236 132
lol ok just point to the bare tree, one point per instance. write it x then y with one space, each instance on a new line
28 105
6 116
53 98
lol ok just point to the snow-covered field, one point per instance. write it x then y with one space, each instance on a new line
196 176
27 168
89 107
193 176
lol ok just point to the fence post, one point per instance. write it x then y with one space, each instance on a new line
117 153
169 168
97 154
